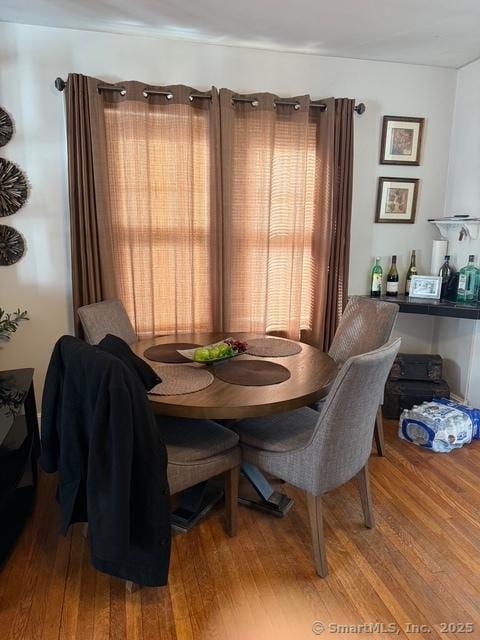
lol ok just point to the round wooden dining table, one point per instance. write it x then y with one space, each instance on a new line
311 374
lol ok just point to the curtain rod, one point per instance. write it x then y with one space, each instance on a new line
60 85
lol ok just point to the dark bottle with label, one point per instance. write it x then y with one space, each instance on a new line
447 273
392 279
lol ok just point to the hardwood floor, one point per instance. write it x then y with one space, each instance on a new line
420 565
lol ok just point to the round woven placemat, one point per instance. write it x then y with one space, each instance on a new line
181 379
168 352
273 347
251 373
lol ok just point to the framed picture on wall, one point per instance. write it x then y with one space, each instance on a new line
401 140
396 200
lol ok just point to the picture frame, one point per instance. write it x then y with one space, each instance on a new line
426 287
401 140
396 200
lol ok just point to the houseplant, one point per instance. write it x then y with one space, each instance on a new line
9 322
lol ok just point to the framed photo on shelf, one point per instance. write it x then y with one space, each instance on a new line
401 140
426 287
396 200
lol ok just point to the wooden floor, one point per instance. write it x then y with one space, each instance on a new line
420 566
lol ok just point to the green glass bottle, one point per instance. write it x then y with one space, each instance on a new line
468 282
412 271
376 279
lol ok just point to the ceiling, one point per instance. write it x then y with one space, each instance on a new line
433 32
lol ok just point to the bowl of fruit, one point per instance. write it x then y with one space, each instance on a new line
217 352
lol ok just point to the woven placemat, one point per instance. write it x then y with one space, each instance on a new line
251 373
273 347
168 352
179 379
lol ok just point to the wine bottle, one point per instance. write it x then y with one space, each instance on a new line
446 272
392 278
376 279
412 271
468 282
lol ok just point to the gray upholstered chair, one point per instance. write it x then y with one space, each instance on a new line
366 324
199 450
318 453
108 316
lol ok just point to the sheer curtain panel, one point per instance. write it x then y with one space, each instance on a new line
277 189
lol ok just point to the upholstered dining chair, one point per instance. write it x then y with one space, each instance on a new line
366 324
318 453
108 316
198 450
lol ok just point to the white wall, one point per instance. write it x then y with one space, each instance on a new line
463 189
31 58
459 341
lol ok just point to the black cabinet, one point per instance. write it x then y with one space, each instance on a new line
19 450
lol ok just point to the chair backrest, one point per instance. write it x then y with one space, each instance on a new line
342 440
108 316
366 325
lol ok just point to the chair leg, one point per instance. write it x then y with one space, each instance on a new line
365 496
379 438
316 527
231 500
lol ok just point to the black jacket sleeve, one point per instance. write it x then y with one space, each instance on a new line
51 408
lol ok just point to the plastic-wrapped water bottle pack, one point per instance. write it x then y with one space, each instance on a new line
440 425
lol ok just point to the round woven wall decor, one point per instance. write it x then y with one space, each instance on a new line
13 188
6 127
12 245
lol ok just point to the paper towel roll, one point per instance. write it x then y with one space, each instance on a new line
439 251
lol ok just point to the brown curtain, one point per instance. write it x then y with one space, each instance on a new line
84 229
277 187
153 195
337 288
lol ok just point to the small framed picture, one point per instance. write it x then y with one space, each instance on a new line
426 287
396 200
401 140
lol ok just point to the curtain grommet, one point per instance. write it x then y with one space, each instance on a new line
145 94
123 92
296 106
254 103
169 96
190 97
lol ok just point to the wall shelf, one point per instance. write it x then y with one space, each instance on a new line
464 227
424 306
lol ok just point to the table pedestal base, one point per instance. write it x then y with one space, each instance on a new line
195 503
256 493
267 499
278 505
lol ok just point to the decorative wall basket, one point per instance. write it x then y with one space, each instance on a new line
13 188
6 127
12 245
